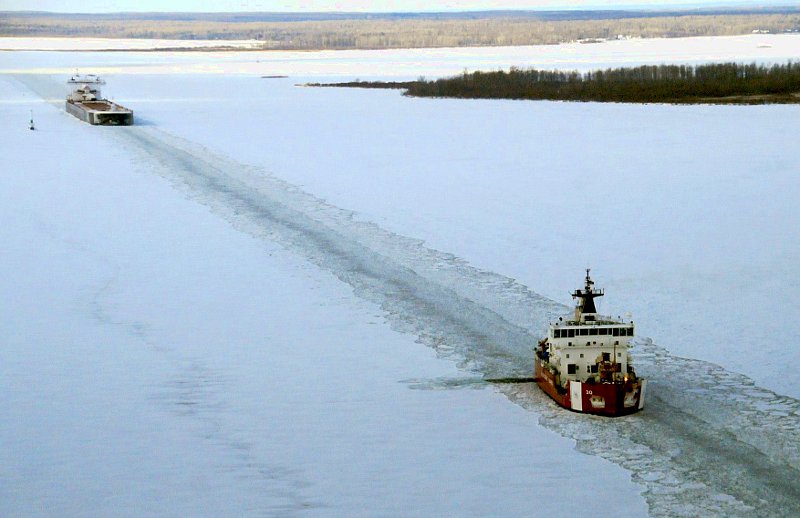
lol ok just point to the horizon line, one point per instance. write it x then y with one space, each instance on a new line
661 7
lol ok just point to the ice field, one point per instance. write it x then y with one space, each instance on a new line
271 300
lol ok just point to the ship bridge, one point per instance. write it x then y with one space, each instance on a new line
583 347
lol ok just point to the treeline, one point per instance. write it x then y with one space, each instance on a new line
401 33
644 84
712 83
377 85
266 16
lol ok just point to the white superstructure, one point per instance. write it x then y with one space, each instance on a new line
85 88
588 347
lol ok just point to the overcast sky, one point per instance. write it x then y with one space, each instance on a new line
99 6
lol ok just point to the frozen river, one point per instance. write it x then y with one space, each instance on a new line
272 300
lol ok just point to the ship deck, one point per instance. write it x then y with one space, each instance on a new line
102 106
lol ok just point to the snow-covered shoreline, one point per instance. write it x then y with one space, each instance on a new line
401 63
65 44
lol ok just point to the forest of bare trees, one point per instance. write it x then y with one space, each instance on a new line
710 83
717 82
414 32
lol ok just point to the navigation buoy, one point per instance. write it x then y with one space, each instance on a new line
30 124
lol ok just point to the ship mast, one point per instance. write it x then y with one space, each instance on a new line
585 309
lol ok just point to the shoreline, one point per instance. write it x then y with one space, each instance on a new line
83 44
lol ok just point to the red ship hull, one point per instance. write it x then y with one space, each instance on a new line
607 399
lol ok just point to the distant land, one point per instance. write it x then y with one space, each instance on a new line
715 83
317 31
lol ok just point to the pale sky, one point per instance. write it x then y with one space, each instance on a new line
101 6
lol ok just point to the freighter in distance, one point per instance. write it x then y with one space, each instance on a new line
85 101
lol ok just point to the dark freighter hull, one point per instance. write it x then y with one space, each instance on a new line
607 399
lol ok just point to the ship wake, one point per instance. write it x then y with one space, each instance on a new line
708 442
